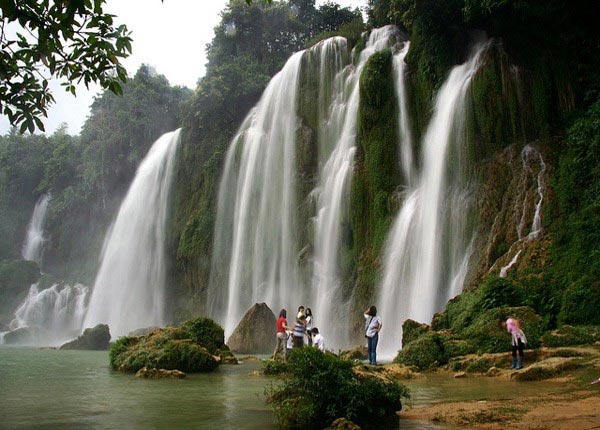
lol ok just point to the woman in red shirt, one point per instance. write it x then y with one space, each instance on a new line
281 334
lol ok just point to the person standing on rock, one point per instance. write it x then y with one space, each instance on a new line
372 327
309 326
282 335
518 341
299 332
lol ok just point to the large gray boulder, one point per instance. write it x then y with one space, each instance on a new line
255 333
97 338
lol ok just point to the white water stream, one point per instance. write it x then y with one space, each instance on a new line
426 255
129 290
32 247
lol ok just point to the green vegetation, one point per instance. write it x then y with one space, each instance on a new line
195 346
376 176
568 336
74 41
321 387
86 175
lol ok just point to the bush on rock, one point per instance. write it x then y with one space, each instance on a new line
321 387
195 346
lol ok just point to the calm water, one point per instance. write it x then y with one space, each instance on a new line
50 389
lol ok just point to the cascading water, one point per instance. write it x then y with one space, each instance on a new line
427 252
32 247
257 242
331 310
54 314
129 290
255 232
531 159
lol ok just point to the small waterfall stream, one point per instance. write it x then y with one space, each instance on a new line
32 247
418 277
129 290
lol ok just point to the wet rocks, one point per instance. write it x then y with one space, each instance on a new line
154 373
255 333
96 338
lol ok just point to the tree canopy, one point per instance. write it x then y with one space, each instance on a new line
73 41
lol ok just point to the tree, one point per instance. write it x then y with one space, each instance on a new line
73 41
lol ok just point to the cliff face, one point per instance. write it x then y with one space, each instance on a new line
517 109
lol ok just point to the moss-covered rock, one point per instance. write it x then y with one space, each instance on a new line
94 338
425 352
412 330
569 335
581 304
547 368
195 346
487 335
375 180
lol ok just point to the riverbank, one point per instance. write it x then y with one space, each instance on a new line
566 400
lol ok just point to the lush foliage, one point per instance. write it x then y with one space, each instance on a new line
569 335
86 175
321 387
75 41
195 346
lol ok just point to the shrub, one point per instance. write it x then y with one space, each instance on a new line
568 335
581 304
321 387
424 352
205 332
274 367
497 292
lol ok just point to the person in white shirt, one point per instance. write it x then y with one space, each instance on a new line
318 339
372 326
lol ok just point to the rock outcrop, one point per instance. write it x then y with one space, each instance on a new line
195 346
96 338
154 373
255 333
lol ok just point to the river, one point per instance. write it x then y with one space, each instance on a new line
52 389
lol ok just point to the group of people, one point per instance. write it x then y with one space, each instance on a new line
289 337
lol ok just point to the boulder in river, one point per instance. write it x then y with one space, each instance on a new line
96 338
154 373
255 333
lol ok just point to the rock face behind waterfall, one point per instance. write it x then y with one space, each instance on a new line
255 333
97 338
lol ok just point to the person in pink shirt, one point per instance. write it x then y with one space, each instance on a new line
518 341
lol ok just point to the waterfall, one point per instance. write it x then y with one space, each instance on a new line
56 313
32 247
331 309
426 254
129 290
255 232
404 133
530 157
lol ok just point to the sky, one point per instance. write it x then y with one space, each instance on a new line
170 35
